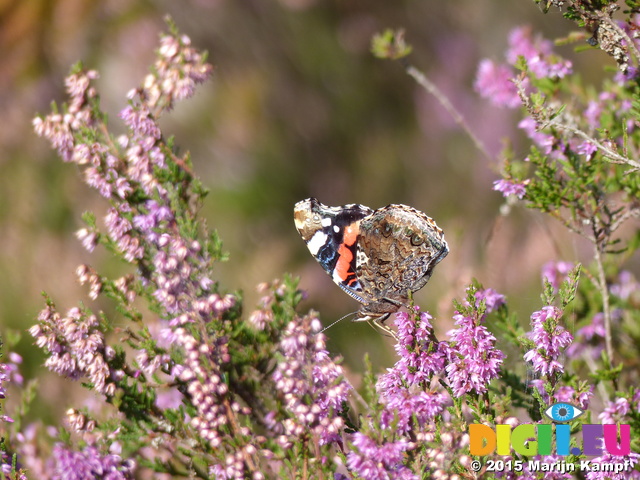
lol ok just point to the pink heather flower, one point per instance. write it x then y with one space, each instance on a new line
569 395
492 299
169 398
59 128
587 149
550 339
494 82
420 356
556 272
615 412
588 338
4 379
546 142
605 472
510 187
405 388
473 359
205 387
592 113
76 347
88 464
88 239
635 399
371 461
311 383
564 394
9 373
538 54
626 285
142 123
403 404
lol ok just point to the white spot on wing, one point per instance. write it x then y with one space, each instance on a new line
316 242
361 258
336 228
326 221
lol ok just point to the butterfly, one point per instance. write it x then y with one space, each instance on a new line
379 257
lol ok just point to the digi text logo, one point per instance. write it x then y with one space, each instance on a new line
596 438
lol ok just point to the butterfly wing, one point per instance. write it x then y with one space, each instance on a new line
402 246
332 235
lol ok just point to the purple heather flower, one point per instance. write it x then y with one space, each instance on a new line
494 82
4 380
473 359
546 142
556 272
169 398
405 389
615 412
88 238
76 347
538 54
630 473
403 405
12 370
140 120
589 337
626 285
586 148
564 394
59 128
550 339
85 275
492 299
205 386
89 464
510 187
9 373
378 462
234 466
635 399
420 356
592 113
569 395
311 383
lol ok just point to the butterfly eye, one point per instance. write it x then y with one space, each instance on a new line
417 239
563 412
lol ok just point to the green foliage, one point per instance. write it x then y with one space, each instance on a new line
390 45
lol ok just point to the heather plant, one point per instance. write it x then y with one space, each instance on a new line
193 383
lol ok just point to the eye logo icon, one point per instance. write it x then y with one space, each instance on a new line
563 412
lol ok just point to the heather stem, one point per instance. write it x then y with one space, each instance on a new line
610 154
602 284
430 87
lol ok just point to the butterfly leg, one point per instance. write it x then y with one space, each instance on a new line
380 325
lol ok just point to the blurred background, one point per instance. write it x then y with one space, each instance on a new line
297 107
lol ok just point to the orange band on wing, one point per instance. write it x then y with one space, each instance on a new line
345 254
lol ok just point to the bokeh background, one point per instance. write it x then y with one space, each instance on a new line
297 107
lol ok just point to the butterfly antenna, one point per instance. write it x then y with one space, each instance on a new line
339 320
